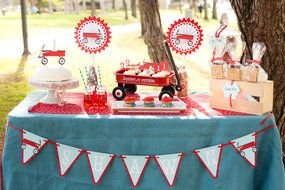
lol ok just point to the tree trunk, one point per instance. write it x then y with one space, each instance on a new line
50 7
134 8
126 9
264 21
141 19
206 10
153 36
214 15
24 27
194 7
180 6
93 8
113 4
102 7
84 5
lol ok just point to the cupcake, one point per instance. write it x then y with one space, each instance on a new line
130 101
148 101
167 101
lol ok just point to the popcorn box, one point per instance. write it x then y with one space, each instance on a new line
252 98
234 73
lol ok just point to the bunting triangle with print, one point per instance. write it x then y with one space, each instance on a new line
246 147
99 163
210 158
135 166
66 156
31 145
169 165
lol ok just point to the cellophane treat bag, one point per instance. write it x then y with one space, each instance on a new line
253 72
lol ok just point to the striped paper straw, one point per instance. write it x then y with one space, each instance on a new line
99 74
87 75
82 77
93 75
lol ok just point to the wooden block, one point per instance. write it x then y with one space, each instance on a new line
234 74
217 71
245 101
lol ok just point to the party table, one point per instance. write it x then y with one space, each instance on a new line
150 135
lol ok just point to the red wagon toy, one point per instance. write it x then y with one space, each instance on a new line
128 83
31 143
187 37
49 53
251 145
96 36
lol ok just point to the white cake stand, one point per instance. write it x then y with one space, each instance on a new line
55 93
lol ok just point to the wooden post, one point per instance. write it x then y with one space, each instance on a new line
24 27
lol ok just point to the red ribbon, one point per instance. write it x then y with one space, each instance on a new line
253 61
231 103
220 29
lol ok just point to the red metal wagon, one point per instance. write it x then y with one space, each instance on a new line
96 36
31 143
128 83
49 53
180 36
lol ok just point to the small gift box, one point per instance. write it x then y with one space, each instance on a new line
250 73
217 71
217 66
234 72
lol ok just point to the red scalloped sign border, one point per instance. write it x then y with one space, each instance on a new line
184 36
101 37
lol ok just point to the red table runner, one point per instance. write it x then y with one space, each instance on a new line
197 106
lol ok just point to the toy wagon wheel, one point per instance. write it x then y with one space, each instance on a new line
190 43
169 88
97 41
165 93
35 151
130 88
242 153
84 40
23 146
119 93
44 61
177 41
254 149
61 61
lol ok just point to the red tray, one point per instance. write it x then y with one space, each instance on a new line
144 80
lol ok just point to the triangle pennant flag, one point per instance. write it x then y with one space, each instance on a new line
168 165
135 166
246 146
98 163
31 145
66 156
210 158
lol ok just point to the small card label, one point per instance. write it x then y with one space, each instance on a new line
231 89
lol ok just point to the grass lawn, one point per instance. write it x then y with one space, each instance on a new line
15 71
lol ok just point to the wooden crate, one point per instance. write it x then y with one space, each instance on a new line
264 92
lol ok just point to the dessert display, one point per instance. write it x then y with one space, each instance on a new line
130 101
52 73
149 101
167 101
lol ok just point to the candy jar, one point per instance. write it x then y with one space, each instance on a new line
101 97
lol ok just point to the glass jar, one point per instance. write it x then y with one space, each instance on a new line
183 77
101 96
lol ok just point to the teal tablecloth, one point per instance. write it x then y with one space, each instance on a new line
138 135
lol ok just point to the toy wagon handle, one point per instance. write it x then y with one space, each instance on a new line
173 66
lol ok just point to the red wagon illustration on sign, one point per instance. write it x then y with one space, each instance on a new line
26 142
243 147
180 36
50 53
128 83
96 36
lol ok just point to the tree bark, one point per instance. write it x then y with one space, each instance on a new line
24 27
93 8
126 9
153 36
141 19
206 10
113 4
264 21
180 6
214 15
134 8
194 7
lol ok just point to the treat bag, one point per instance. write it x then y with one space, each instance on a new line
217 68
233 71
183 76
253 71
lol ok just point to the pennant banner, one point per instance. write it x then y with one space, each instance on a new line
66 156
31 145
135 166
210 157
169 165
98 163
246 147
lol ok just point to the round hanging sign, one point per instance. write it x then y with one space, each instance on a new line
92 34
184 36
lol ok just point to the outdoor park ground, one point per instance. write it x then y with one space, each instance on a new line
126 43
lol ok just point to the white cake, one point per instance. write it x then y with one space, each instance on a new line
54 73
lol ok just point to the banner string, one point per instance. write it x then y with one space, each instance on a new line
151 156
